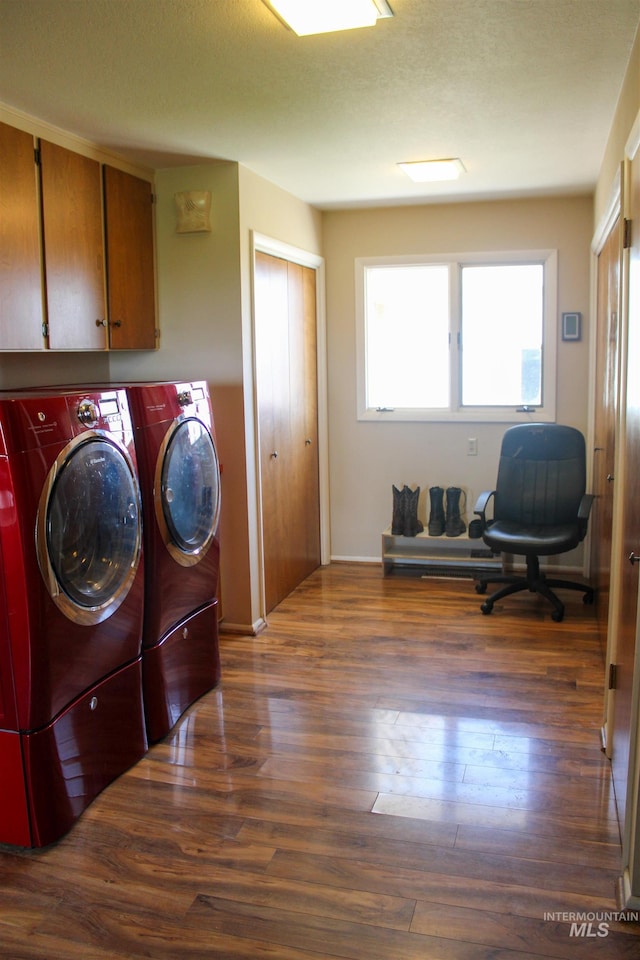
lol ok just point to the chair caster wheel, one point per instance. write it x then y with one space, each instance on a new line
557 615
481 588
486 607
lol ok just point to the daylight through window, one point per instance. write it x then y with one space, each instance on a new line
469 337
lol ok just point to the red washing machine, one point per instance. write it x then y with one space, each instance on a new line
71 607
180 482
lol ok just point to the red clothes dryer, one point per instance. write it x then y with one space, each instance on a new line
71 606
180 482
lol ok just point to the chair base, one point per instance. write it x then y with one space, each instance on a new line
534 582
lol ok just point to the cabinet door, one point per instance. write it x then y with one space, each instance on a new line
74 251
21 305
130 263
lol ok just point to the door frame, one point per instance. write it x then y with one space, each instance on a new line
629 889
612 212
260 243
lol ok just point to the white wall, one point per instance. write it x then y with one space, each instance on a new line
367 458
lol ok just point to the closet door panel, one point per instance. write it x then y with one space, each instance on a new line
285 331
605 414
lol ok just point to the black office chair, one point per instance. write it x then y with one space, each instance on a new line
539 508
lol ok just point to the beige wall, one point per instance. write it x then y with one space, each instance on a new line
199 315
198 282
621 124
367 458
204 307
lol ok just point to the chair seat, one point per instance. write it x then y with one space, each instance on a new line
505 536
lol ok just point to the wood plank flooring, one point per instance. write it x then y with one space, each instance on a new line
383 774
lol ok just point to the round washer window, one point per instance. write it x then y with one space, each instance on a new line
93 525
190 486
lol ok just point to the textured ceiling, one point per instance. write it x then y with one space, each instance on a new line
523 91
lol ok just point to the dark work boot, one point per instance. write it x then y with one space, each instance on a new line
454 524
399 511
412 526
436 516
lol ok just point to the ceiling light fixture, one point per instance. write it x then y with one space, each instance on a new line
430 171
325 16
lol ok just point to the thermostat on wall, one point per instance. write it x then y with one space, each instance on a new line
571 326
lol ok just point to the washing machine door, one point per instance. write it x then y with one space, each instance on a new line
187 491
89 529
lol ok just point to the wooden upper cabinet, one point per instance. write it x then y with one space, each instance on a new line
21 303
128 203
77 267
73 249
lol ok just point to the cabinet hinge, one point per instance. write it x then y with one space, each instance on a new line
613 676
36 156
45 329
626 239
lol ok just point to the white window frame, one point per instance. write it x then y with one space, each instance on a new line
545 413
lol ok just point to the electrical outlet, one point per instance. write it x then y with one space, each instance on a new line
472 447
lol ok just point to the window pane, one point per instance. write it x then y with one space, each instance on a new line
407 336
502 327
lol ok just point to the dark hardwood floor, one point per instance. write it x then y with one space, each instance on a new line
383 774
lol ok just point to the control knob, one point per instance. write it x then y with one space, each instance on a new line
88 413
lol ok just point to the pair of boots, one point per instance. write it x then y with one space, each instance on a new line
452 524
404 522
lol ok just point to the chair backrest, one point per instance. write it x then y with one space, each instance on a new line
542 474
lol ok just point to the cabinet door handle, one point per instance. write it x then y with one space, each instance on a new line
307 442
633 558
116 323
274 455
610 478
101 323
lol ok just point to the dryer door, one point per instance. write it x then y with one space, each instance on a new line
187 491
89 529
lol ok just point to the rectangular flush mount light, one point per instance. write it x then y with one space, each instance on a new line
430 171
325 16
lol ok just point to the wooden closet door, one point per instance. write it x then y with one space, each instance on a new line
303 381
627 612
605 414
272 382
286 386
73 249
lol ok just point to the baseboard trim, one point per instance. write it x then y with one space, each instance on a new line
355 559
242 629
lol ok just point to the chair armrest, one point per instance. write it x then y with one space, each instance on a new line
585 506
481 505
583 513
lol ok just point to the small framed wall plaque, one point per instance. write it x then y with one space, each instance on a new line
571 326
